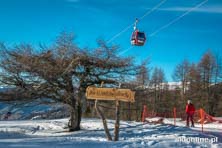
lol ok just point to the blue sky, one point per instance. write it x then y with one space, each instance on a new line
40 21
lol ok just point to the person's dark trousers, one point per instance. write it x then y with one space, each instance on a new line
190 117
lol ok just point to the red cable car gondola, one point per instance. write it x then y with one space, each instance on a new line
138 38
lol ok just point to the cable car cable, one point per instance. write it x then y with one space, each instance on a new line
178 18
124 51
142 17
171 22
154 8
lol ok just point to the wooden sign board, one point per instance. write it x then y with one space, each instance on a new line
95 93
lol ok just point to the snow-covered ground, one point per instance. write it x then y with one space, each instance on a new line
53 133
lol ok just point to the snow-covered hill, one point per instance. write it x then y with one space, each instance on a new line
38 109
53 133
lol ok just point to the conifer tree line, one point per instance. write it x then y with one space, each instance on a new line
63 71
200 82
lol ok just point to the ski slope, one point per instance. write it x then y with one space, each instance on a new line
53 133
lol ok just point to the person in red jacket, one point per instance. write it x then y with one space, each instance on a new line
190 109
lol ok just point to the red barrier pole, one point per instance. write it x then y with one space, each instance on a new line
202 118
144 115
174 115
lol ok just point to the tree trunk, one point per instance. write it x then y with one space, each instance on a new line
75 118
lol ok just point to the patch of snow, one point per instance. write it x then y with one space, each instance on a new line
54 133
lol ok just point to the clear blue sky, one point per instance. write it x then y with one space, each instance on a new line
40 21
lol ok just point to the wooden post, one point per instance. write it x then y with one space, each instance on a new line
104 121
116 130
129 108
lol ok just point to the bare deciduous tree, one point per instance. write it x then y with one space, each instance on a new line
206 68
157 84
143 76
181 74
61 72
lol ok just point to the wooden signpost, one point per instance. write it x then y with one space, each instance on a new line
95 93
110 94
